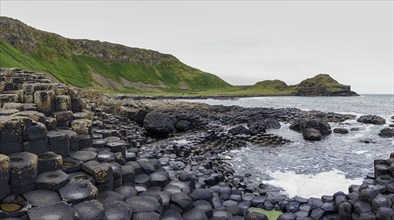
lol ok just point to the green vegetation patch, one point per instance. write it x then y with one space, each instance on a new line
272 215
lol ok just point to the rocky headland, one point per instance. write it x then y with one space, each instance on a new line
70 153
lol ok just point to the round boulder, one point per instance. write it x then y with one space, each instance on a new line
159 124
371 119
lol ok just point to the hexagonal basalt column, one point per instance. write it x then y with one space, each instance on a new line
23 172
59 210
52 180
35 138
62 103
102 172
44 101
63 118
82 126
14 206
78 191
49 161
4 176
10 135
59 143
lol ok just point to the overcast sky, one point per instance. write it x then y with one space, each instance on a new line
241 41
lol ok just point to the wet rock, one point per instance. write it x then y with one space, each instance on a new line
385 213
23 171
387 132
117 146
73 139
260 126
78 191
83 155
144 204
49 161
345 211
36 147
71 165
194 214
159 178
90 210
341 130
239 130
182 200
379 202
312 134
202 194
371 119
14 206
204 206
117 210
158 124
128 174
171 215
52 180
126 191
287 216
42 197
361 207
221 214
301 125
56 211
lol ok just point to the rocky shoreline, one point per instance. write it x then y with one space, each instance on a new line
67 153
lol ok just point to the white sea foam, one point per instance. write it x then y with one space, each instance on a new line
307 185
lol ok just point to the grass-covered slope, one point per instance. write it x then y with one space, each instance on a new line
319 85
89 64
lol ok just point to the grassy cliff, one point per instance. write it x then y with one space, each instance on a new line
117 68
88 64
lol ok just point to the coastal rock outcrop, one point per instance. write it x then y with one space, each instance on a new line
372 119
387 132
312 129
260 126
91 162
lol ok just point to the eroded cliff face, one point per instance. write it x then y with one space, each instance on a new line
33 41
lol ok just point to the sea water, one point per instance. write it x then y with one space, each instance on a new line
312 169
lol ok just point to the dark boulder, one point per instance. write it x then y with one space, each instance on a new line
387 132
301 125
371 119
239 130
312 134
159 124
341 130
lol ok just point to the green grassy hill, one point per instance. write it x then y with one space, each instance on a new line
117 68
94 64
319 85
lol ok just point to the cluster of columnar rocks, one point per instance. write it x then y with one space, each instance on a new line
63 157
